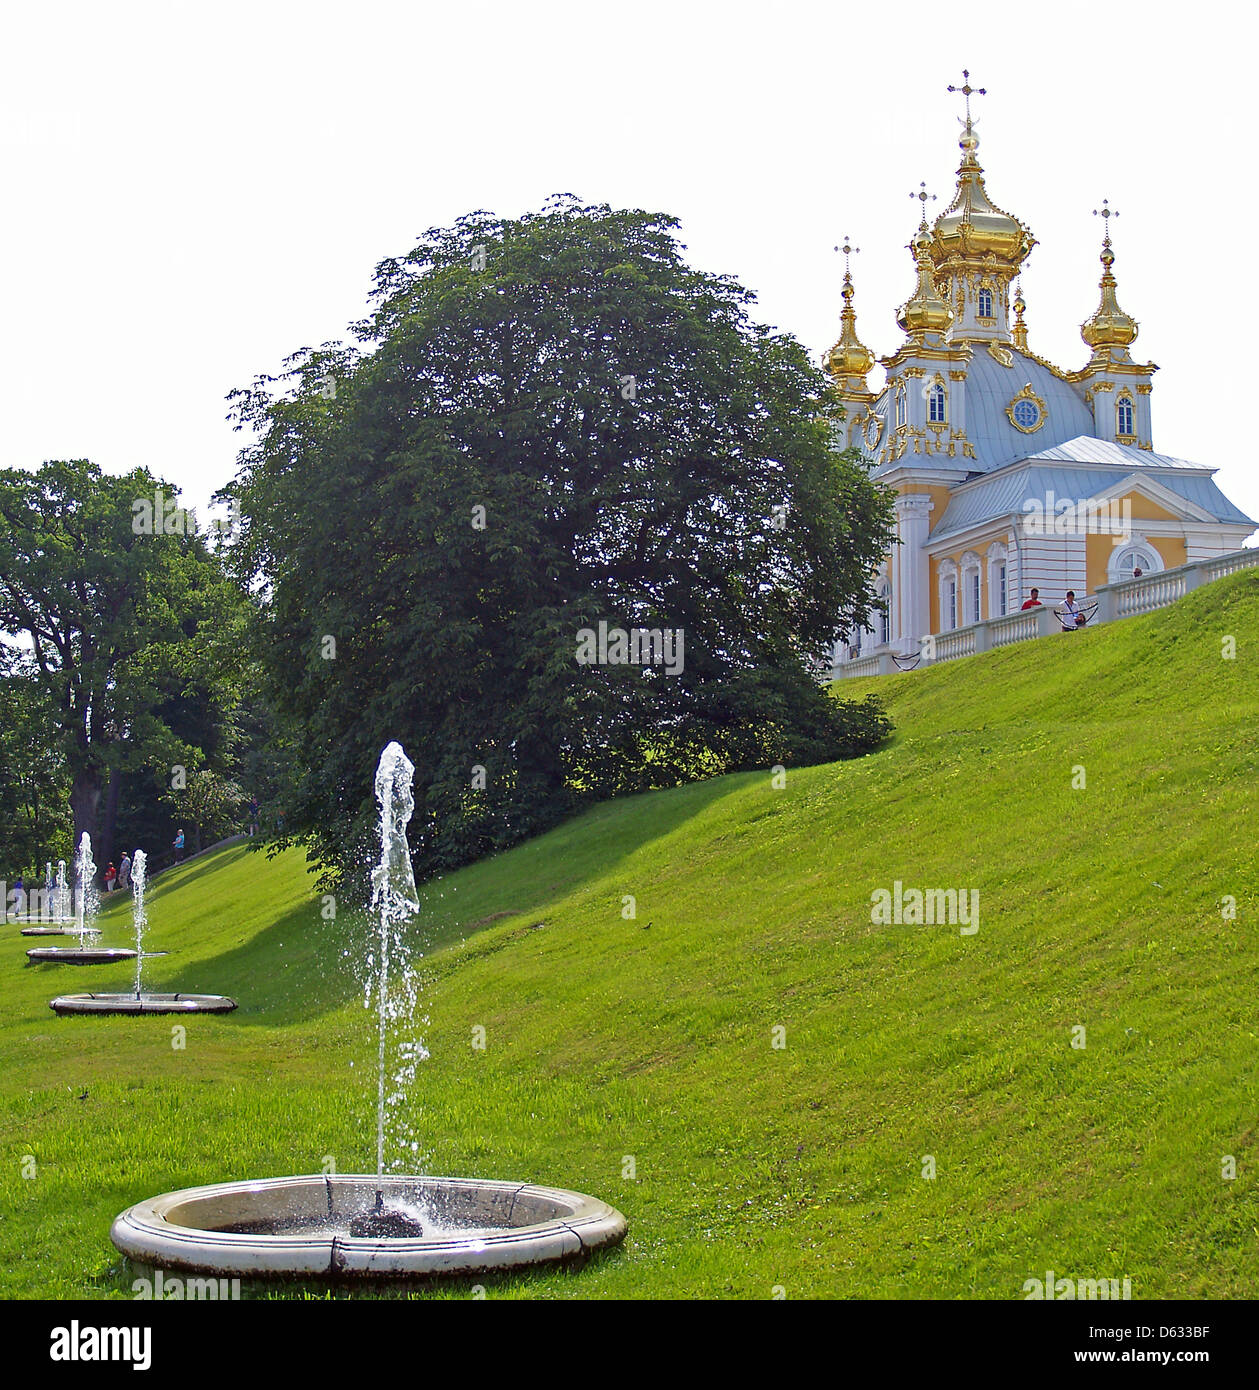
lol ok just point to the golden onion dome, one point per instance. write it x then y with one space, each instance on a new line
925 311
973 226
849 357
1109 325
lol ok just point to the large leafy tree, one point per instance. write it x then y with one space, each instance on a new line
34 824
546 423
125 615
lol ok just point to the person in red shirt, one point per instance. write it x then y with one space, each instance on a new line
1034 601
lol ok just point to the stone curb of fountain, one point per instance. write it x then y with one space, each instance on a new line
191 1230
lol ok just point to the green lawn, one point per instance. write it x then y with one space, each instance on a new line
651 1039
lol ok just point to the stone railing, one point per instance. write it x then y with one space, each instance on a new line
877 665
1114 601
1014 627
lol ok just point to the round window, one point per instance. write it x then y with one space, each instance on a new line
1026 414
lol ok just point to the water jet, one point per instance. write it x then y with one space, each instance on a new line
136 1002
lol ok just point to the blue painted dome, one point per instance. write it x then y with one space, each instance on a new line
990 393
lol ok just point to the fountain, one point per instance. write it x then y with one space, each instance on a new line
63 920
86 908
138 1002
370 1226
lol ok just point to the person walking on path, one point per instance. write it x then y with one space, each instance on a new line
111 875
124 871
179 848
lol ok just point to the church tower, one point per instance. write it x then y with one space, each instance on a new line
978 249
850 362
1117 388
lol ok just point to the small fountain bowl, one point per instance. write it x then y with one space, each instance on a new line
68 929
142 1003
299 1228
79 955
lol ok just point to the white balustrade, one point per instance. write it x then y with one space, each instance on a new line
1123 600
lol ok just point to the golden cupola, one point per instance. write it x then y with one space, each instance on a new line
924 311
1109 327
973 231
849 361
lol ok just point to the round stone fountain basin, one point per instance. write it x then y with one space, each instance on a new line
300 1227
142 1003
68 930
79 955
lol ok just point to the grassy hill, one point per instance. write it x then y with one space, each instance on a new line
652 1039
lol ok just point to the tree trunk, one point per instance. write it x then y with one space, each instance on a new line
85 800
109 819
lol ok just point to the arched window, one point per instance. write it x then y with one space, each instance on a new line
900 408
998 594
1125 416
885 617
985 304
1140 555
935 405
948 595
970 588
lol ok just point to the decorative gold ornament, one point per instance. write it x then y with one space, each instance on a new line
1027 419
924 311
849 361
1019 331
973 234
1109 326
1000 354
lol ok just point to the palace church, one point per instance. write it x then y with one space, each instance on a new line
975 433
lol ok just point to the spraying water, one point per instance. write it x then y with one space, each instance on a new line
395 902
88 903
60 898
139 866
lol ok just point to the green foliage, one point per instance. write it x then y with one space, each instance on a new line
34 787
131 625
639 452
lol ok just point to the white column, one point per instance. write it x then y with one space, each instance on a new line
913 601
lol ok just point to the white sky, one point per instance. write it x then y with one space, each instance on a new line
190 194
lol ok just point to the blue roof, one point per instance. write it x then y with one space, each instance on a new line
1006 491
1086 449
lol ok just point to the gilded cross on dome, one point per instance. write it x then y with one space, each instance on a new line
923 197
1107 212
847 249
968 91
